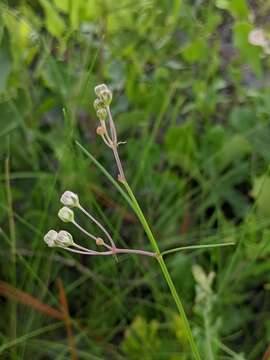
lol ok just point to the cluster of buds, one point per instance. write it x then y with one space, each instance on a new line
61 238
70 200
65 240
102 107
109 136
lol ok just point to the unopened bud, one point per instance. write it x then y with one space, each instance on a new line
50 238
70 199
99 241
98 104
66 214
99 88
100 130
64 239
106 96
102 114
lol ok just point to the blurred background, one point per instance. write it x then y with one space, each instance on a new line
191 96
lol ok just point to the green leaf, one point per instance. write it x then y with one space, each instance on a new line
20 32
238 8
250 53
5 67
62 5
54 22
181 147
195 51
75 14
261 194
237 147
142 340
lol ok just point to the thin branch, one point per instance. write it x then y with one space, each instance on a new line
91 217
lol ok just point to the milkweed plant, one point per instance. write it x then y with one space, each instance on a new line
63 239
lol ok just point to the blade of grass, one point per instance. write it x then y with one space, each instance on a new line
24 298
33 334
193 247
12 235
105 172
67 319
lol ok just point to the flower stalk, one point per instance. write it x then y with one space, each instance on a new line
107 131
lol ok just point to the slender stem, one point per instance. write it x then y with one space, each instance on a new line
118 163
192 247
152 239
114 251
135 251
88 252
84 249
106 140
142 218
84 231
180 308
112 126
91 217
115 144
164 270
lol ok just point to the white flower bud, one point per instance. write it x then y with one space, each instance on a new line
50 238
99 88
66 214
104 94
64 239
70 199
102 114
98 104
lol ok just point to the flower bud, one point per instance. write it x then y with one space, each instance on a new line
106 96
102 114
98 104
100 130
64 239
99 241
70 199
66 214
99 88
50 238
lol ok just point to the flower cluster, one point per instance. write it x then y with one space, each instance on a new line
61 238
70 200
102 107
64 239
107 129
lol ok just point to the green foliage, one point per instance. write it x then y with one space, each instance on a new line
191 98
146 340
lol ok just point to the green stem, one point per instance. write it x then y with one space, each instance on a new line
165 271
196 247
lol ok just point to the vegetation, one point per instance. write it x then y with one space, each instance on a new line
191 89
